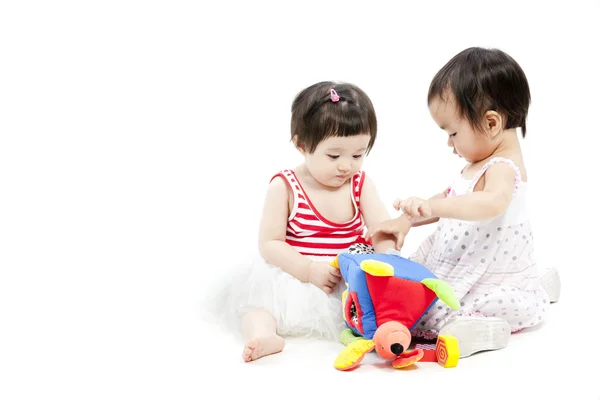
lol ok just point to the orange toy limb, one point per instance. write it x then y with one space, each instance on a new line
407 358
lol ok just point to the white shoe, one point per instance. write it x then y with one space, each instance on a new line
475 334
550 281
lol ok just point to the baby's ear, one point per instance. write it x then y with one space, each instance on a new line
493 122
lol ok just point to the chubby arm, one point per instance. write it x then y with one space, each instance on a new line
423 221
374 213
399 227
273 226
489 203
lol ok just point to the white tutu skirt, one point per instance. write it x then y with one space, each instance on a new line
300 309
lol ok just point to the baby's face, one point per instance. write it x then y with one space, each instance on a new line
461 137
337 159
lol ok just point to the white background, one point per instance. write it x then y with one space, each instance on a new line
138 138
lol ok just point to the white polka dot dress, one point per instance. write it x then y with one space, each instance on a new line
489 264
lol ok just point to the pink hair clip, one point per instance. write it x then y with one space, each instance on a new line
334 96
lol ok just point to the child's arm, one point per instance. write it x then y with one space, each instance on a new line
489 203
274 249
399 227
420 221
271 238
374 213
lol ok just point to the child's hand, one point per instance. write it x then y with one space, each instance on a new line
416 208
323 276
398 227
397 204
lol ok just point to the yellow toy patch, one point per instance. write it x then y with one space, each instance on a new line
353 354
377 268
335 263
344 297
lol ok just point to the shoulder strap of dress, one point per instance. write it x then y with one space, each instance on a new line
491 162
297 191
291 180
357 184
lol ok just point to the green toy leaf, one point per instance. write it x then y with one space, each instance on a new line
347 336
443 291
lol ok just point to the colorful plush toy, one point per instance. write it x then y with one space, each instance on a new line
386 296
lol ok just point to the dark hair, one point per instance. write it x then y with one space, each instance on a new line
316 117
481 80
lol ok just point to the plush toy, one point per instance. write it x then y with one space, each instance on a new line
386 297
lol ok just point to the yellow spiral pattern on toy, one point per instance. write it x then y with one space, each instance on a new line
447 351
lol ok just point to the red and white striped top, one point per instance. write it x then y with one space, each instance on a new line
310 233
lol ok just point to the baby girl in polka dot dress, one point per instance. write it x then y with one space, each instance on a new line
483 244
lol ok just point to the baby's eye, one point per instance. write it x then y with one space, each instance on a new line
358 156
454 134
332 156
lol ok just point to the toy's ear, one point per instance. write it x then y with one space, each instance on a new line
377 268
443 291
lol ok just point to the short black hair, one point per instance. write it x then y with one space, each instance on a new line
316 117
481 80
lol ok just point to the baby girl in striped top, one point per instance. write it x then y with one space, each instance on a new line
311 213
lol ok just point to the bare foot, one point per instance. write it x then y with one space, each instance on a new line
262 346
